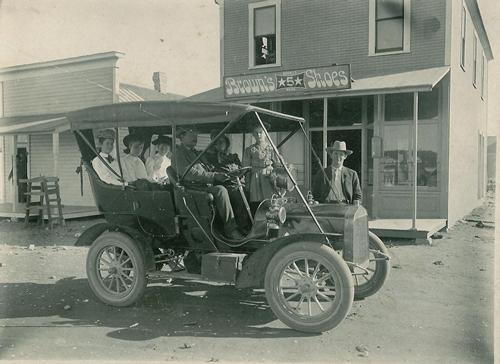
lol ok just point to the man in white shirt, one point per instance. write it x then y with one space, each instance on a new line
342 185
106 139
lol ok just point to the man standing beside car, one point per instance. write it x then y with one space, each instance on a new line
342 185
199 173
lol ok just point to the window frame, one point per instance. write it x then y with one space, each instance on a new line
463 38
251 40
474 61
372 33
484 76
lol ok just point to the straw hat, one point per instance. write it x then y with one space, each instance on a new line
132 138
339 146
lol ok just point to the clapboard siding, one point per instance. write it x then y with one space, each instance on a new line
42 164
59 92
322 32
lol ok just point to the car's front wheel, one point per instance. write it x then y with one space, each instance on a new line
116 269
309 287
367 282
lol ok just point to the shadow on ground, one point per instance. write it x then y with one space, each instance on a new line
185 308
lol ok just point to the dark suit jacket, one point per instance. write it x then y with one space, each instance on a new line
349 180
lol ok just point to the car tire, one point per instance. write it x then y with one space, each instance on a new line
325 294
116 269
365 286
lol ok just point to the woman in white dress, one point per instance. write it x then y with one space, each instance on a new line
132 166
156 165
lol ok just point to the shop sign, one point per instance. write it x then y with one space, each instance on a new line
281 83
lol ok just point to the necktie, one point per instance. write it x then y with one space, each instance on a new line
109 158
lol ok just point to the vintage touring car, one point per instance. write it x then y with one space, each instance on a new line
312 259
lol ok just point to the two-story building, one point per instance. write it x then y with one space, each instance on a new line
403 82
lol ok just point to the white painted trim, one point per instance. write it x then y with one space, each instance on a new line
62 62
13 128
447 32
2 168
221 40
2 100
372 33
57 69
251 48
463 34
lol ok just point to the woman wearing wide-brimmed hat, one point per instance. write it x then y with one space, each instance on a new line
156 165
341 184
106 140
132 166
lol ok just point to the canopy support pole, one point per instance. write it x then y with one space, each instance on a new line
55 152
415 160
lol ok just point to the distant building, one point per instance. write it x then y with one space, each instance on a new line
33 131
354 70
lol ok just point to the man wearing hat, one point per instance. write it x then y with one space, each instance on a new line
337 183
200 173
106 139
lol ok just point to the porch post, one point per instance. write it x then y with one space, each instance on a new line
415 159
15 191
55 152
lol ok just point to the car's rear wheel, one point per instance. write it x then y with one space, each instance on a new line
367 283
116 269
309 287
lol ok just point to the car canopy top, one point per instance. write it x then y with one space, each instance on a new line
174 113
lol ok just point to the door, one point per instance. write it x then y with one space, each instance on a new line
22 173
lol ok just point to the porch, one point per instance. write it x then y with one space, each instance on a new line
402 228
8 210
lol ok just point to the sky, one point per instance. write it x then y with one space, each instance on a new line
177 37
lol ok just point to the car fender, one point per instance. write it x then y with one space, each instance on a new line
254 267
93 232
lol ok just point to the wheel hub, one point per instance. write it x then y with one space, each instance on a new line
307 287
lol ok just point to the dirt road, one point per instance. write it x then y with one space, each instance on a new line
435 308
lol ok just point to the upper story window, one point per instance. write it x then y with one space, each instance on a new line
474 62
264 33
462 38
389 26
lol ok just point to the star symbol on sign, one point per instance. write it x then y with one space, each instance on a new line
281 82
298 81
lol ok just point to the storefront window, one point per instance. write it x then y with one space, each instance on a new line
369 156
316 113
427 155
370 109
292 108
344 111
398 107
396 162
428 104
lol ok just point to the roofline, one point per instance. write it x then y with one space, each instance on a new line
477 19
64 61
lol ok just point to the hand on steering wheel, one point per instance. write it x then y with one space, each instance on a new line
240 172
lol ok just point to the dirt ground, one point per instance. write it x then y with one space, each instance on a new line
436 307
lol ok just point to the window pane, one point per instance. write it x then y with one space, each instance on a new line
396 162
427 155
398 107
370 109
316 113
317 145
265 21
292 108
428 104
389 35
344 111
265 49
389 8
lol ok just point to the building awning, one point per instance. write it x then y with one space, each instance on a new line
39 124
413 81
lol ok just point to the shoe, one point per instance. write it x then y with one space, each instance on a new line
234 235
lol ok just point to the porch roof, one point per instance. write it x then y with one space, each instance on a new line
413 81
33 124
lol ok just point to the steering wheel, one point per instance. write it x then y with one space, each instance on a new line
239 172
